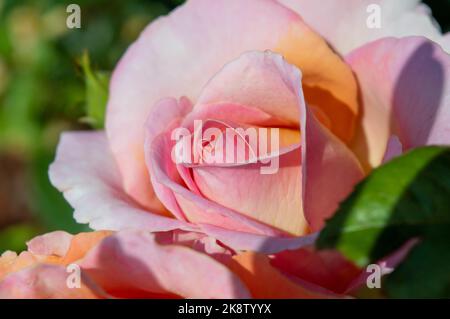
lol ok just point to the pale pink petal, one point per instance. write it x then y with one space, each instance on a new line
85 172
166 117
405 85
234 113
198 241
344 23
241 241
133 261
331 171
446 42
55 243
394 149
167 114
273 199
257 80
182 201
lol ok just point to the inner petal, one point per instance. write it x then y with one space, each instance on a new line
273 199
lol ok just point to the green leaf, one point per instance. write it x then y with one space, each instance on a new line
96 93
407 198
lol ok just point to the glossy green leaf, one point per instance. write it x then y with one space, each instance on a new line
407 198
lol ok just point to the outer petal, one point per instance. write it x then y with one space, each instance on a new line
344 23
177 55
394 148
330 172
387 264
327 269
10 262
446 42
40 272
43 282
85 172
137 263
265 281
405 86
56 248
241 241
81 244
55 243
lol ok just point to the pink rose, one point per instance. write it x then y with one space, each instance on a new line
192 65
302 68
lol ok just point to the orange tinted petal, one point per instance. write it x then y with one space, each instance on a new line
265 281
82 243
328 83
79 245
43 282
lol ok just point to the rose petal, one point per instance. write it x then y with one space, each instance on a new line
405 84
265 281
137 263
331 171
273 199
81 244
56 248
182 201
394 149
85 172
345 26
43 282
387 265
11 262
327 269
241 241
446 42
257 80
54 243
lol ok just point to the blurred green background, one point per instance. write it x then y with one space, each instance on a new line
43 92
45 88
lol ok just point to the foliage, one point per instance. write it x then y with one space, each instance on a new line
406 199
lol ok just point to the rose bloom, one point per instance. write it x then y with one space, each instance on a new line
344 97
